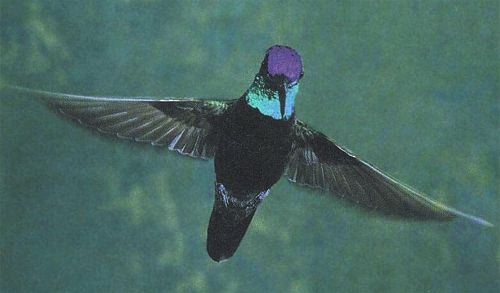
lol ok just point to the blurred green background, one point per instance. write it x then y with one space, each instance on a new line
411 86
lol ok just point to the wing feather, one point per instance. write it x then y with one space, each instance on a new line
189 126
316 161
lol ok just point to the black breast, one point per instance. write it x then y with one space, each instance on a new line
252 150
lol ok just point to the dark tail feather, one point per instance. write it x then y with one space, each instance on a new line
226 229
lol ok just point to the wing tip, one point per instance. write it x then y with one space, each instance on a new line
22 89
477 220
473 219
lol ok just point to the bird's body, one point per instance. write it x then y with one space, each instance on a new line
251 157
252 153
254 140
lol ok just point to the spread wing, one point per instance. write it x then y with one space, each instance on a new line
317 162
188 126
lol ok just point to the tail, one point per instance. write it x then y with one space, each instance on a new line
229 221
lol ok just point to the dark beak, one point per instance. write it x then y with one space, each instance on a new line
282 96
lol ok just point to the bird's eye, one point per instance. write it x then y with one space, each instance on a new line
301 75
291 85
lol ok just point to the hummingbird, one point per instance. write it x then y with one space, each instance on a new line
254 141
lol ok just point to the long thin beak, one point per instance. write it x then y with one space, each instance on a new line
282 96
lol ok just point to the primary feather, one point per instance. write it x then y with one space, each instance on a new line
189 126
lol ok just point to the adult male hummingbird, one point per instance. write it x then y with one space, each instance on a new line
254 141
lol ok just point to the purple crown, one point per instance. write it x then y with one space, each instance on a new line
283 60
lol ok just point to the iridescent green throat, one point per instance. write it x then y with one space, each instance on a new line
267 101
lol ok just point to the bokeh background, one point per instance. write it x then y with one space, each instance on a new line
410 86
